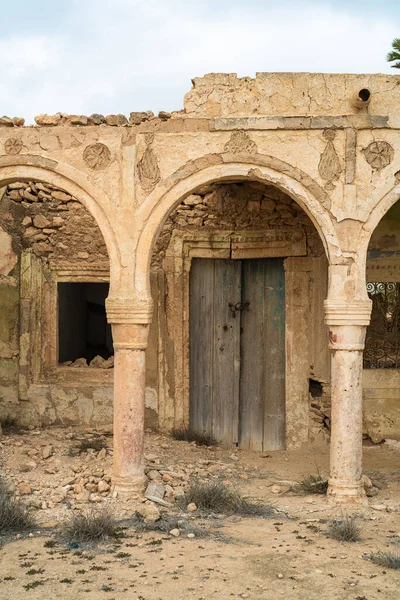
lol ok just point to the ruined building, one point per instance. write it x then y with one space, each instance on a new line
234 266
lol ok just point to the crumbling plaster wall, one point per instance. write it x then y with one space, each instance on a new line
300 132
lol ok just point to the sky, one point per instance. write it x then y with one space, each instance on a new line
118 56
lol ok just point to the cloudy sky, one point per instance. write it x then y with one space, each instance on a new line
111 56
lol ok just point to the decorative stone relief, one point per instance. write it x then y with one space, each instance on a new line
13 146
97 156
378 154
148 169
240 143
329 165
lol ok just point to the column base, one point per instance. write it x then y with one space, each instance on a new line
126 486
346 492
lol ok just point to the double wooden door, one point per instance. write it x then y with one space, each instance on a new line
237 351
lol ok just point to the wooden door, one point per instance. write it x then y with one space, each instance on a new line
262 372
214 348
237 358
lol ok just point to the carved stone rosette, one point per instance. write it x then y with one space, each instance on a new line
13 146
240 143
97 156
329 165
378 154
147 167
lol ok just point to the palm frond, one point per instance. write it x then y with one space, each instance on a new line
394 55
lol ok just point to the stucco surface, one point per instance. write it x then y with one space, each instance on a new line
308 135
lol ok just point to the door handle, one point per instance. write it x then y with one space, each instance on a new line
239 306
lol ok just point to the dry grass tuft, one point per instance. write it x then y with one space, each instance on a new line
313 484
185 434
92 526
347 529
216 497
390 560
14 515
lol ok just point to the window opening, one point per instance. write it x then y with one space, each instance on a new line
382 344
84 336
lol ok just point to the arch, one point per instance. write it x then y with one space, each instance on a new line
379 210
37 168
156 208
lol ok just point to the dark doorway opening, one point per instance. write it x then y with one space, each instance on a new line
83 331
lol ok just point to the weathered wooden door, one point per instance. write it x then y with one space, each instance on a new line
237 351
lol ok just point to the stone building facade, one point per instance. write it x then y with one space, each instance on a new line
217 266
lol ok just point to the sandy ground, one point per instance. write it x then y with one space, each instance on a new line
288 556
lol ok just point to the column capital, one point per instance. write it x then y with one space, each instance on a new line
129 310
339 312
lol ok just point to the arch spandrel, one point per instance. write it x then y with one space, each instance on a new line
154 211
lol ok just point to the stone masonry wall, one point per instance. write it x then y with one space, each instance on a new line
238 206
50 222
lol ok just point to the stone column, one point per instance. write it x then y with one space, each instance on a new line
130 328
347 321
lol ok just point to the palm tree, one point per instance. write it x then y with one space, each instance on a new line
395 54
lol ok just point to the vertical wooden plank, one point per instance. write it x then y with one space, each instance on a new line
274 355
201 334
226 358
251 407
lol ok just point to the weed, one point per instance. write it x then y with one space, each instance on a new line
66 580
106 588
313 484
32 585
96 568
80 572
14 515
391 560
185 434
35 571
347 529
92 526
216 497
123 555
49 544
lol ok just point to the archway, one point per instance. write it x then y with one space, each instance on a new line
56 344
381 376
196 228
153 213
36 168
